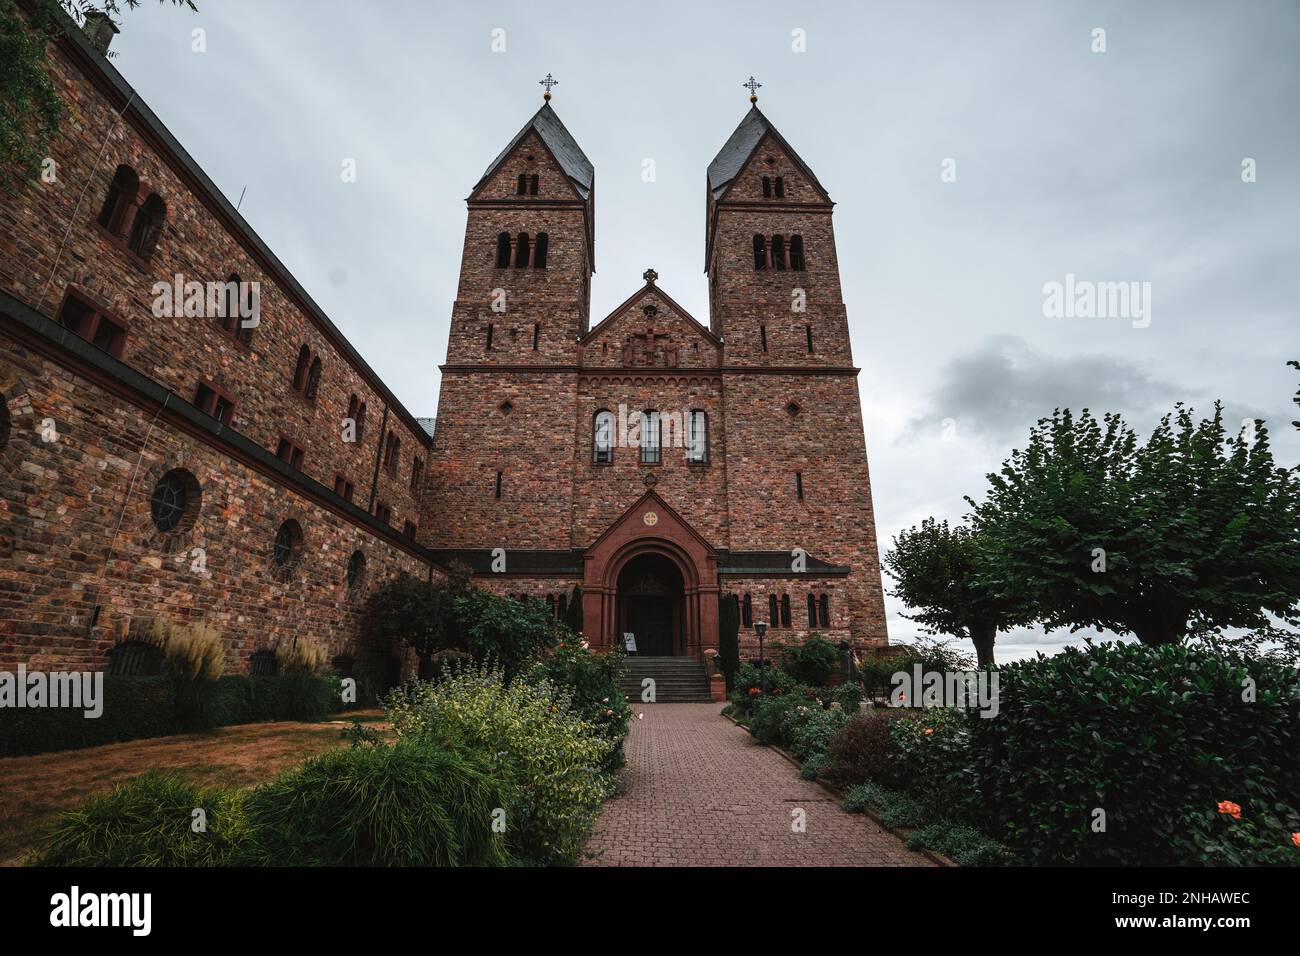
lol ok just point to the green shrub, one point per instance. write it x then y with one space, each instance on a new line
806 731
550 753
511 633
133 707
149 821
814 766
411 804
249 700
963 845
865 796
849 697
768 713
932 758
1157 737
895 809
859 750
195 661
749 683
813 661
592 683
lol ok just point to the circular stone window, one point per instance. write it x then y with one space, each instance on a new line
174 503
288 545
356 570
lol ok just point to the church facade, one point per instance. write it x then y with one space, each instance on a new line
162 464
656 460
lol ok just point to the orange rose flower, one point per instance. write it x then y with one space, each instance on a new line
1295 838
1231 809
929 731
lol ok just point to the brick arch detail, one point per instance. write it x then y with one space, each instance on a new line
671 537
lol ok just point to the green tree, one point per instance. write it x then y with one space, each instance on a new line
416 613
1193 531
937 572
30 109
729 638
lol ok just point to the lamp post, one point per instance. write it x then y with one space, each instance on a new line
760 628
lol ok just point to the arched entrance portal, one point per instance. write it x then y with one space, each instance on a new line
651 605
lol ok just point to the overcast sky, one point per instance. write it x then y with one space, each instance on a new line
1123 165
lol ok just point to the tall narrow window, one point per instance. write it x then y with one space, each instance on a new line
602 438
521 251
148 226
762 336
361 421
778 253
539 251
503 250
697 437
812 610
808 332
767 187
797 261
562 606
537 335
489 337
532 185
650 437
779 187
122 192
300 370
785 610
824 610
417 473
522 186
498 492
798 485
550 604
747 611
760 252
774 616
313 379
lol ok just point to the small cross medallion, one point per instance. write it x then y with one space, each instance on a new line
650 276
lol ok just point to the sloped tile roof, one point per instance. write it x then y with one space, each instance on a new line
559 141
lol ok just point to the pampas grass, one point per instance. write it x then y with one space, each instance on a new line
302 657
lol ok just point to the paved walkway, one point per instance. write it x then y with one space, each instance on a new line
698 791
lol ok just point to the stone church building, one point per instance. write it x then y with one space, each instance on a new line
178 458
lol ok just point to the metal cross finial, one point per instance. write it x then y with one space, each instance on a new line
753 86
650 275
549 82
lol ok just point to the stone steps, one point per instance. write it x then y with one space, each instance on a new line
678 680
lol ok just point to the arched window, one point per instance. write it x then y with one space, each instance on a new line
773 616
148 226
135 658
824 610
779 187
562 606
785 610
767 187
778 253
697 437
313 379
747 611
812 610
522 186
361 421
602 438
300 370
122 192
354 405
356 577
174 503
521 251
539 252
532 185
287 551
503 250
760 252
797 262
550 604
650 452
537 335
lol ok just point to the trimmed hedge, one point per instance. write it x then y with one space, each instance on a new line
139 707
1157 737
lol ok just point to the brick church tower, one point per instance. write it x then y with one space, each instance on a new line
653 460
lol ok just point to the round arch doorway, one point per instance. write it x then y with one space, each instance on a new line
651 605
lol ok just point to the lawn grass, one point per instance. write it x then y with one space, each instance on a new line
34 789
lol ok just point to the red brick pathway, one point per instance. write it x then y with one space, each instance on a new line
698 791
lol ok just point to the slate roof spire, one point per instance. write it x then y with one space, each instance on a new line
559 141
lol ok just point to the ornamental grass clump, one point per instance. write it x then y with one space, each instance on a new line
195 659
531 734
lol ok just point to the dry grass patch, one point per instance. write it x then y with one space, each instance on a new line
33 789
